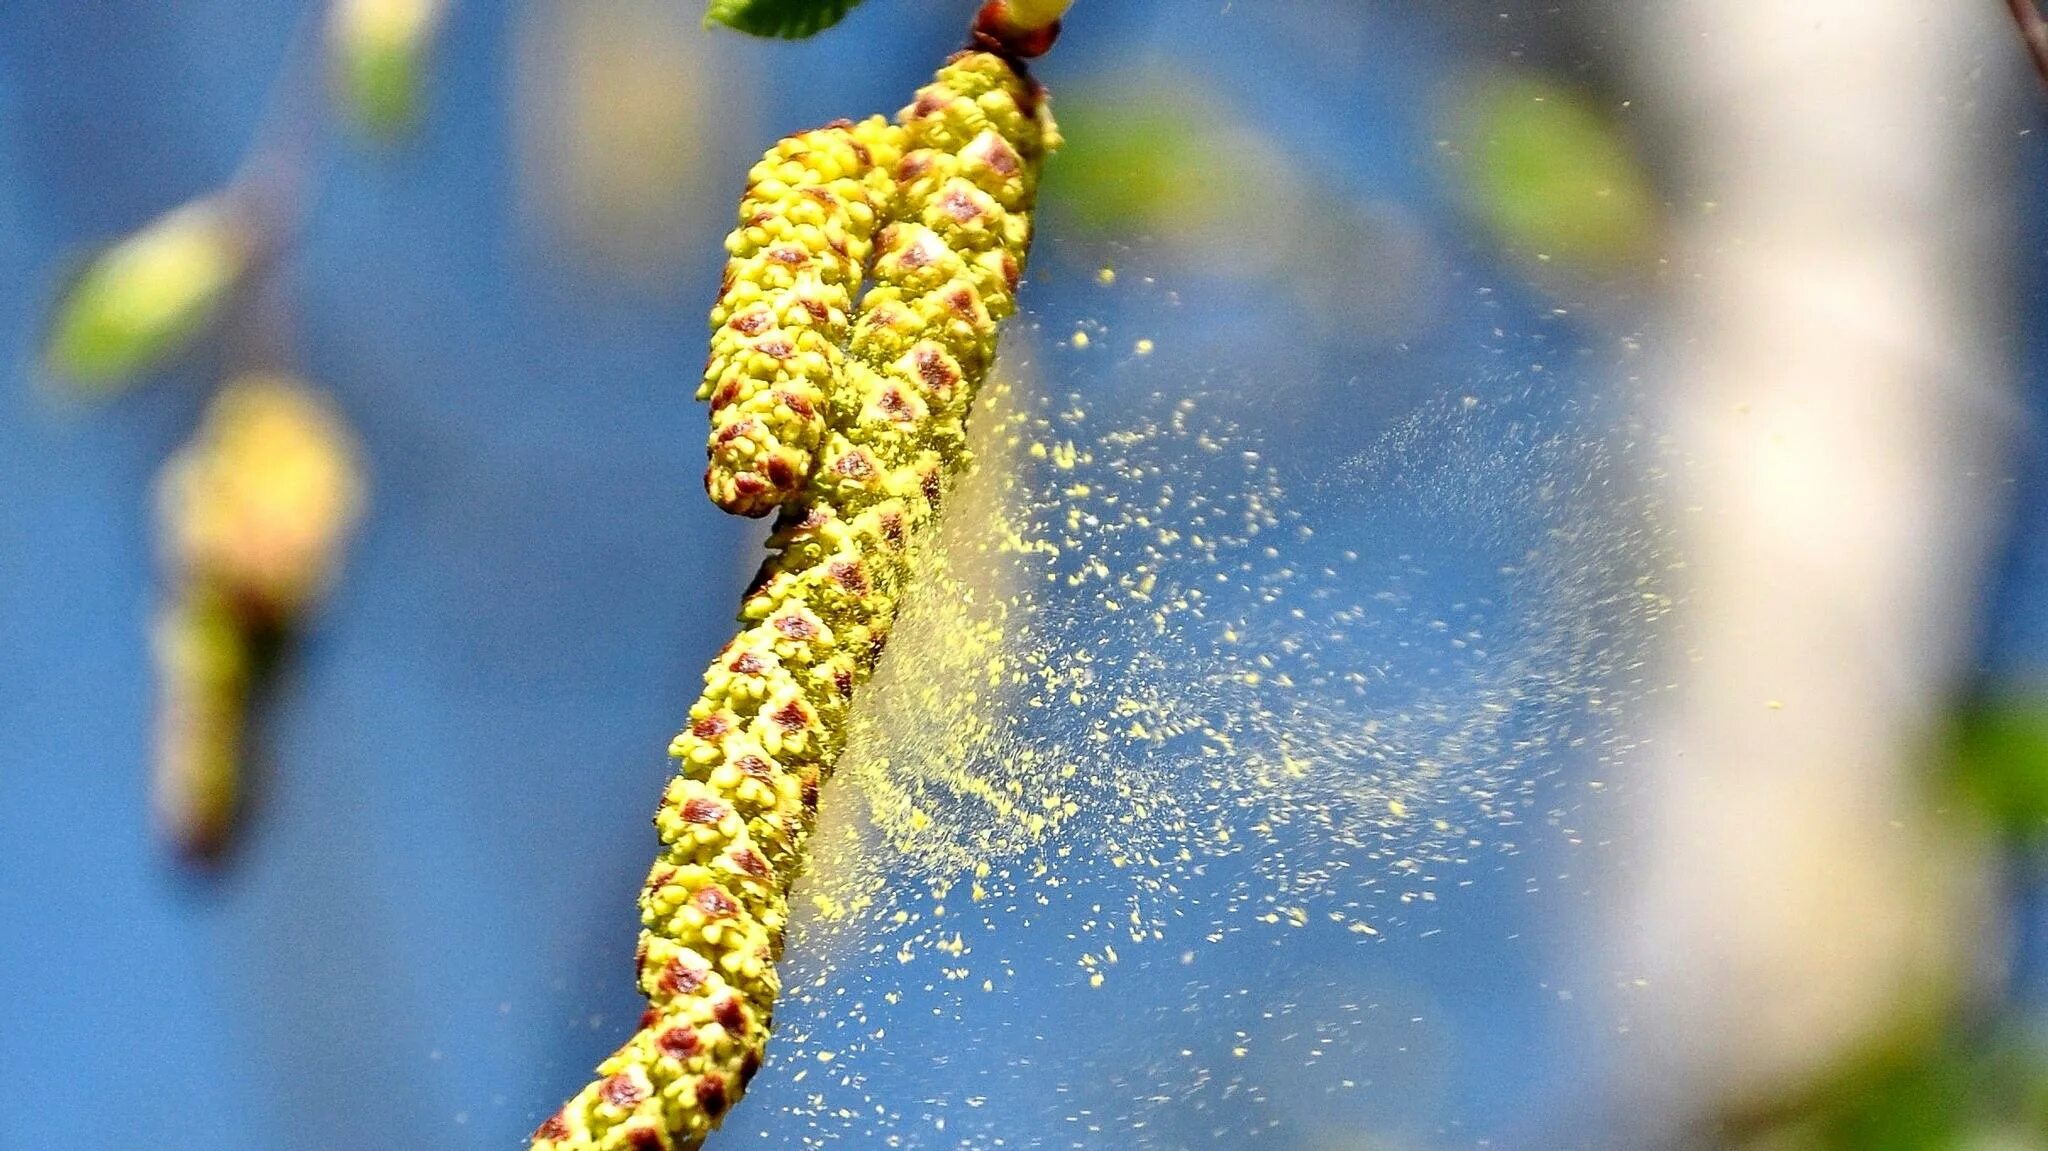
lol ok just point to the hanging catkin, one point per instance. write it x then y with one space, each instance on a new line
780 325
955 179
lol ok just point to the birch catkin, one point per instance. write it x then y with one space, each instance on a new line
957 175
780 324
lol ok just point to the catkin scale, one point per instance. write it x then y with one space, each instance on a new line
872 458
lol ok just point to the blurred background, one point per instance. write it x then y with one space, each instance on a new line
1591 453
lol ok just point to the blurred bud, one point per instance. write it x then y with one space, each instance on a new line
253 514
142 299
1551 175
378 51
261 501
204 664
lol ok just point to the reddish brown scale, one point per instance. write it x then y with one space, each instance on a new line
749 861
775 346
937 374
934 487
677 1042
959 206
796 627
844 682
704 811
895 405
730 1015
751 323
748 484
679 978
1011 273
620 1091
822 195
789 254
918 254
758 219
838 243
792 717
780 473
727 392
725 283
648 1017
861 153
892 528
553 1127
750 1063
797 404
715 904
732 432
746 663
962 301
849 575
928 102
817 309
640 954
914 166
810 794
711 1094
711 727
754 767
854 465
1001 157
645 1138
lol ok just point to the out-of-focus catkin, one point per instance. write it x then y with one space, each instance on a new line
885 434
253 514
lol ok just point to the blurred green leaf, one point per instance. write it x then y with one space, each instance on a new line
143 298
1156 154
1551 175
785 19
1999 759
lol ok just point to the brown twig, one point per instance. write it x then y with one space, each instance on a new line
2034 30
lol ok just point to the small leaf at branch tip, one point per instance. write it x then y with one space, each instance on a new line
780 19
141 300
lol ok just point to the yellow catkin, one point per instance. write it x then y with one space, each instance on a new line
773 715
780 325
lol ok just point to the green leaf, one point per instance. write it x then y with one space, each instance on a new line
786 19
